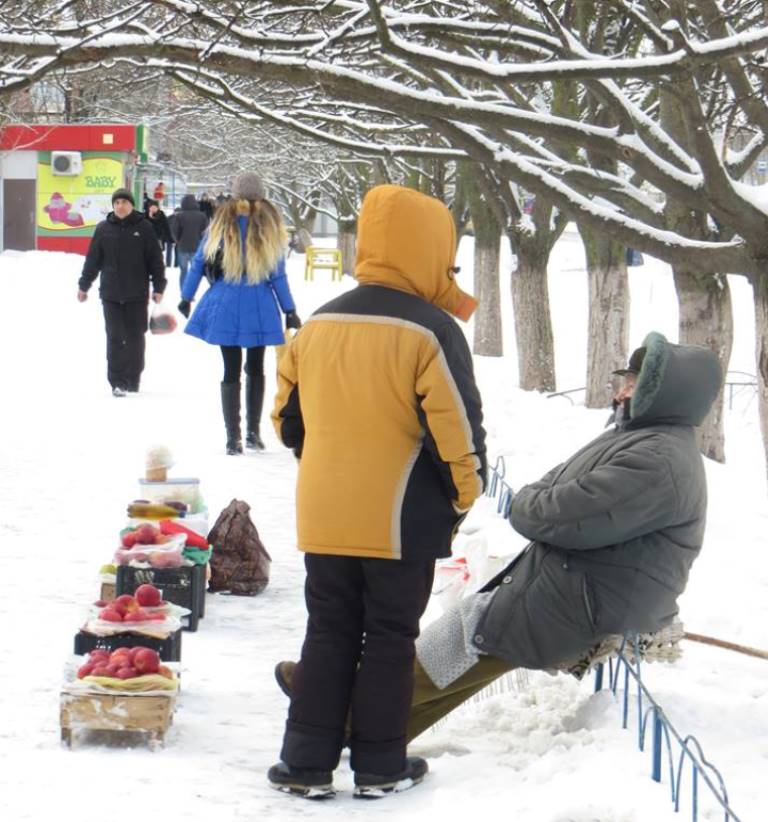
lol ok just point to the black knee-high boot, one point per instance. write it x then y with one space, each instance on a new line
254 402
230 405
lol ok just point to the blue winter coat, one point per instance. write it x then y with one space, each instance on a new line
238 313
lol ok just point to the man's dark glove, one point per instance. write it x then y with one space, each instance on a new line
185 306
292 320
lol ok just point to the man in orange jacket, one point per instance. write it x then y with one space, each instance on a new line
376 395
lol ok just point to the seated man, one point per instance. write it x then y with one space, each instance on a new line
614 530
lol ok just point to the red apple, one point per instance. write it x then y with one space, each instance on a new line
100 670
129 539
146 534
111 615
148 596
118 655
125 603
112 668
127 673
101 603
98 653
139 615
147 661
85 670
165 671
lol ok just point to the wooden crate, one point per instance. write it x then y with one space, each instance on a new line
107 591
152 714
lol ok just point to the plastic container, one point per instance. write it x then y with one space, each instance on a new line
169 649
184 489
183 586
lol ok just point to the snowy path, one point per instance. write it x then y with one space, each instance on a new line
552 752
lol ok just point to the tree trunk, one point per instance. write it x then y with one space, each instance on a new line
533 323
488 338
760 292
608 328
706 319
346 242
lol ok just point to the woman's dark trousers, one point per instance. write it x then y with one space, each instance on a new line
358 652
254 395
126 325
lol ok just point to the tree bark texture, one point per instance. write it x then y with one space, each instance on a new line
346 242
706 319
760 292
488 337
533 321
608 325
488 230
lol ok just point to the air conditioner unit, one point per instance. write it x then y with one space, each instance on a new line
66 163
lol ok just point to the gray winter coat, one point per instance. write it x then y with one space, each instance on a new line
616 528
189 225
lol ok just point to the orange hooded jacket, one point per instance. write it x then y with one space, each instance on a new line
376 394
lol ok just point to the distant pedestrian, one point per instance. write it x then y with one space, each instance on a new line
188 227
159 222
244 249
206 206
125 251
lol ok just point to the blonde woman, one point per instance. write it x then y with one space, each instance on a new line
243 251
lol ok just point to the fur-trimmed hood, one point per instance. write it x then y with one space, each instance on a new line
677 384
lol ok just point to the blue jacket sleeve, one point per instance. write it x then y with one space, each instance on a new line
279 283
195 273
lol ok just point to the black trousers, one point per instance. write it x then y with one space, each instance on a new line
233 361
126 325
358 653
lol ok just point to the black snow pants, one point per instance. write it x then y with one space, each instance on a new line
126 325
358 653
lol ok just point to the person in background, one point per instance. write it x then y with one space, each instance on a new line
377 396
244 249
206 206
159 222
125 251
188 227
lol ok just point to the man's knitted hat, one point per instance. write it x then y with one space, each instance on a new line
122 194
248 186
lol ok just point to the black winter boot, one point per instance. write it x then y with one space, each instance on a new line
254 402
230 405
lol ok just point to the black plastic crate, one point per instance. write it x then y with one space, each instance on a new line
183 586
169 649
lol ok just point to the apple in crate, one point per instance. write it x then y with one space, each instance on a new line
147 534
148 596
139 615
111 615
129 539
127 673
125 604
146 661
85 670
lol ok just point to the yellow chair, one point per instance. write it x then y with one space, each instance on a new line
322 258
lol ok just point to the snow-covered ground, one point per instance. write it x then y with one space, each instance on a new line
548 750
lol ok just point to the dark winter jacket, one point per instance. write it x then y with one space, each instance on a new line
189 225
616 528
160 225
378 394
127 254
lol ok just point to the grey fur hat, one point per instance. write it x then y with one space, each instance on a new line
248 186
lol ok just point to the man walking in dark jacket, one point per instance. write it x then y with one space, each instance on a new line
124 249
188 228
614 530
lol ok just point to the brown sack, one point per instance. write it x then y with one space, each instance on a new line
239 561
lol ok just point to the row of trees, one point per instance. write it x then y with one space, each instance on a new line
638 119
